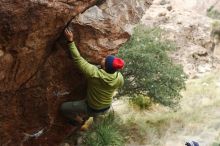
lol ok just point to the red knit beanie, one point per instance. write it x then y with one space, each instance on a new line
112 63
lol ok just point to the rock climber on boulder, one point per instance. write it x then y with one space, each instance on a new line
101 84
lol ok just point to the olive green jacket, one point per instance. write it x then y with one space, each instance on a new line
101 85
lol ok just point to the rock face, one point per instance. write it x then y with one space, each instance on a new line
190 30
92 27
36 72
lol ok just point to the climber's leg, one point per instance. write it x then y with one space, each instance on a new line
94 116
74 110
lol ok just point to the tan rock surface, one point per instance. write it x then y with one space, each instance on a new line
189 30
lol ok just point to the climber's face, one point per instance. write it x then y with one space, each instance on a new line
103 63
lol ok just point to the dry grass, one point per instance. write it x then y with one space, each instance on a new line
198 119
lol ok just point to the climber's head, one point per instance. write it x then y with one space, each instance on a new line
111 64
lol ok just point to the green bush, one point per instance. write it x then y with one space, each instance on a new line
149 71
105 133
216 144
213 13
143 102
215 29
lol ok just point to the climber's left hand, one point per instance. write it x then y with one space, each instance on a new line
68 35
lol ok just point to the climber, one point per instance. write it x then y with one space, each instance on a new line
101 84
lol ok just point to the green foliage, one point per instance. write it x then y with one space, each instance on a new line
99 2
212 13
149 71
215 34
163 2
105 133
143 102
216 144
217 141
215 24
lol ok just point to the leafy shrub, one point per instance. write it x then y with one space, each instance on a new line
143 102
149 71
105 133
216 144
212 13
215 29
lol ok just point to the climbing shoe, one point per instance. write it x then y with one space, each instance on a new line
88 123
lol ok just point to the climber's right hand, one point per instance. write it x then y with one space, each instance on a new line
68 35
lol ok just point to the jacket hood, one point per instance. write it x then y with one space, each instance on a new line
110 79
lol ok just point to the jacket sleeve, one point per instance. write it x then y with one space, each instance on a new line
86 68
122 81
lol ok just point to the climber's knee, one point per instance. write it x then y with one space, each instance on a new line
66 108
75 107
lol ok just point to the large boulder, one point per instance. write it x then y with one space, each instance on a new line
36 70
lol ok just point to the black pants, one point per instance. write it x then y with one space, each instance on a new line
71 109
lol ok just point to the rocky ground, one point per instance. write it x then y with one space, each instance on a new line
190 30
